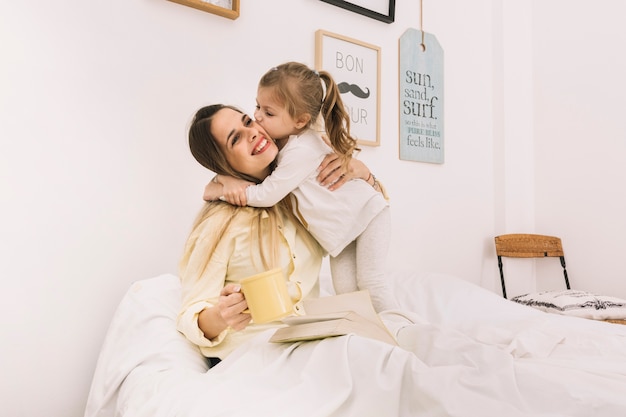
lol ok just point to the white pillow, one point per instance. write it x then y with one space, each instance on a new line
576 303
141 340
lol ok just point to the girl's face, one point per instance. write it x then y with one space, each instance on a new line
248 149
273 116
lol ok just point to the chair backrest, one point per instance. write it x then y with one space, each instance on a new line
528 246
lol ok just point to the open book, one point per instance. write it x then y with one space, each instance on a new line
338 315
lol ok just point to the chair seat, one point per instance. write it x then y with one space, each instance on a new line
576 303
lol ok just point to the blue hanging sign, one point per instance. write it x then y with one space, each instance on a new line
421 98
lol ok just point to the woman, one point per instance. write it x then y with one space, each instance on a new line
229 243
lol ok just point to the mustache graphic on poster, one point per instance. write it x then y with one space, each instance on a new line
421 98
354 89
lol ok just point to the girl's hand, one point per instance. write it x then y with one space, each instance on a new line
333 174
212 191
234 190
231 306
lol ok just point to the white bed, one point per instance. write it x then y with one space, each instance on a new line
474 354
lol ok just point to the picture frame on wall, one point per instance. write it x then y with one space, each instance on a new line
383 10
355 67
224 8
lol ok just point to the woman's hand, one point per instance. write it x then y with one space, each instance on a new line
228 312
231 306
333 174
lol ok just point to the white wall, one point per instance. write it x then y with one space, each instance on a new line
580 136
98 188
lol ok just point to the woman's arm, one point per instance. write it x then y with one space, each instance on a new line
210 304
333 175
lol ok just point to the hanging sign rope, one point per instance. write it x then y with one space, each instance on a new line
421 97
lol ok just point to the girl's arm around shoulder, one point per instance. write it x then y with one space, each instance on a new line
296 163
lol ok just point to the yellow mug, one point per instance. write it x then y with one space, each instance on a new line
267 296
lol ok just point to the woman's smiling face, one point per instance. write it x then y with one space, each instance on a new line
247 147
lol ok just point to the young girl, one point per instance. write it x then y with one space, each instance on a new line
351 223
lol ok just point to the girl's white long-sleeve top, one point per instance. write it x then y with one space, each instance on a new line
334 218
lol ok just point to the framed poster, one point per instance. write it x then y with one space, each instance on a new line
355 66
224 8
383 10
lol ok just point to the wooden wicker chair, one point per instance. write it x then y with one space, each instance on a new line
528 246
540 246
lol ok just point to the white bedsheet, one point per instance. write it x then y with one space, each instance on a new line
471 353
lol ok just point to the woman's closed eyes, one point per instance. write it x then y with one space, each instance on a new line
246 121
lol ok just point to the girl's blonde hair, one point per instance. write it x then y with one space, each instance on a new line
299 89
265 223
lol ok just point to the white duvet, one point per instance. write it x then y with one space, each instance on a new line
469 353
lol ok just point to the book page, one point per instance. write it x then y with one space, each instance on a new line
335 316
358 301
